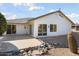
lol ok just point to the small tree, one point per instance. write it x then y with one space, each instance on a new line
3 24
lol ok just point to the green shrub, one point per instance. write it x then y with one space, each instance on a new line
72 43
3 24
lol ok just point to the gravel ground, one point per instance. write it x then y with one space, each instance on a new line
61 40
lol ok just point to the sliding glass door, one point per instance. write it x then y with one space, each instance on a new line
42 30
11 29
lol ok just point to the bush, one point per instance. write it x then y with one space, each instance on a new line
3 24
72 43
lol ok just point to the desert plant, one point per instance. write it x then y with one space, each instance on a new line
72 43
3 24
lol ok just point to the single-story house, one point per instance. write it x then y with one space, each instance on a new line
50 24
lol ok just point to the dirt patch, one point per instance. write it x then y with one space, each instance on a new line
61 52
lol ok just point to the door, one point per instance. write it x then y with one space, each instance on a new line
42 30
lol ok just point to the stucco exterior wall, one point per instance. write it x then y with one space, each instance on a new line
22 29
32 27
63 24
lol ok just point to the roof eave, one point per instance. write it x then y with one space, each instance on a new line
53 13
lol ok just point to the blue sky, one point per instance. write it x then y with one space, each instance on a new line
24 10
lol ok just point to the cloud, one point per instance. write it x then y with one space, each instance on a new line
31 6
51 10
74 17
3 13
9 15
1 4
18 4
34 7
12 17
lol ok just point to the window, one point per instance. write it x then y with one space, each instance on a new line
77 27
53 28
42 29
73 27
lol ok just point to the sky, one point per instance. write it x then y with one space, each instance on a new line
24 10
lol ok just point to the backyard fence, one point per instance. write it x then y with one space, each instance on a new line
72 42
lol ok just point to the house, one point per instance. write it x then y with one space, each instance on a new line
51 24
